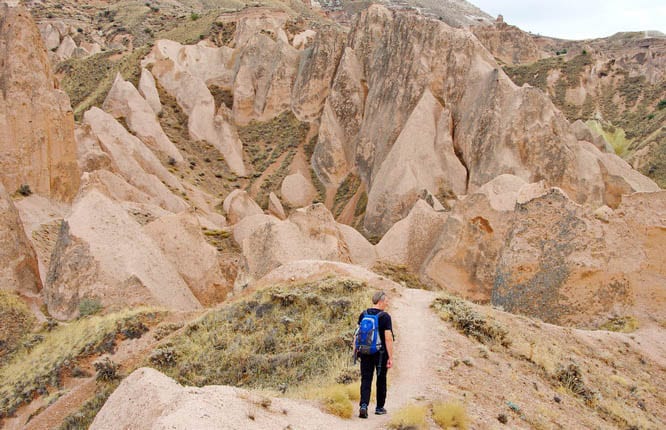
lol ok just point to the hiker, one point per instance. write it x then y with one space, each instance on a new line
374 345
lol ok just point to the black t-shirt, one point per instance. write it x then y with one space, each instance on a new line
384 322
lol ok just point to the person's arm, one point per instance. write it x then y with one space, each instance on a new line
388 336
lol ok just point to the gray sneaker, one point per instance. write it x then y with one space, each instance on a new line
380 411
363 412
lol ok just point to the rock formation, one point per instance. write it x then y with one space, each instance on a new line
185 72
133 270
19 271
124 101
37 147
180 238
160 402
239 205
297 191
308 233
133 160
409 67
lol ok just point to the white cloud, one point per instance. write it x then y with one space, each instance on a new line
579 19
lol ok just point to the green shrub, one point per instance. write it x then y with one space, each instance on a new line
194 16
107 370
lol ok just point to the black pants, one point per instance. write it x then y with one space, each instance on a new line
370 363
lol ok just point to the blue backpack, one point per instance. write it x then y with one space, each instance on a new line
367 337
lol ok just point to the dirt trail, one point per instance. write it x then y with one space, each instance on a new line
418 349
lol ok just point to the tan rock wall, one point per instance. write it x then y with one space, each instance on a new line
37 145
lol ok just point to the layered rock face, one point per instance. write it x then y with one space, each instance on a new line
19 270
37 145
400 70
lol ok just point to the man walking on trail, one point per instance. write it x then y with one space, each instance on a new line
382 359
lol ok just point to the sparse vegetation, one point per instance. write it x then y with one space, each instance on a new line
626 324
450 415
84 416
265 142
16 321
345 192
411 417
469 322
35 371
24 190
222 240
336 401
280 336
571 378
88 80
107 370
400 274
89 306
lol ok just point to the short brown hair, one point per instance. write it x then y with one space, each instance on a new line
377 297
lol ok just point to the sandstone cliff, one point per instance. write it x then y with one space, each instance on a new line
37 146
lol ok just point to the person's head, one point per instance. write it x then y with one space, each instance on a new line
380 300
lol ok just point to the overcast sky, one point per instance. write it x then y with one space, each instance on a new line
579 19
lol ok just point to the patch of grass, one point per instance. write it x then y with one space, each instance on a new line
345 192
265 142
319 186
84 416
450 415
469 322
274 181
411 417
89 306
222 240
626 324
277 338
16 321
400 274
33 372
615 136
88 80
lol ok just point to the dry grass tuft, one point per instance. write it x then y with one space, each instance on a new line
411 417
469 322
626 324
337 401
452 415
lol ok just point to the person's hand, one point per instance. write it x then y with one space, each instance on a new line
389 363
